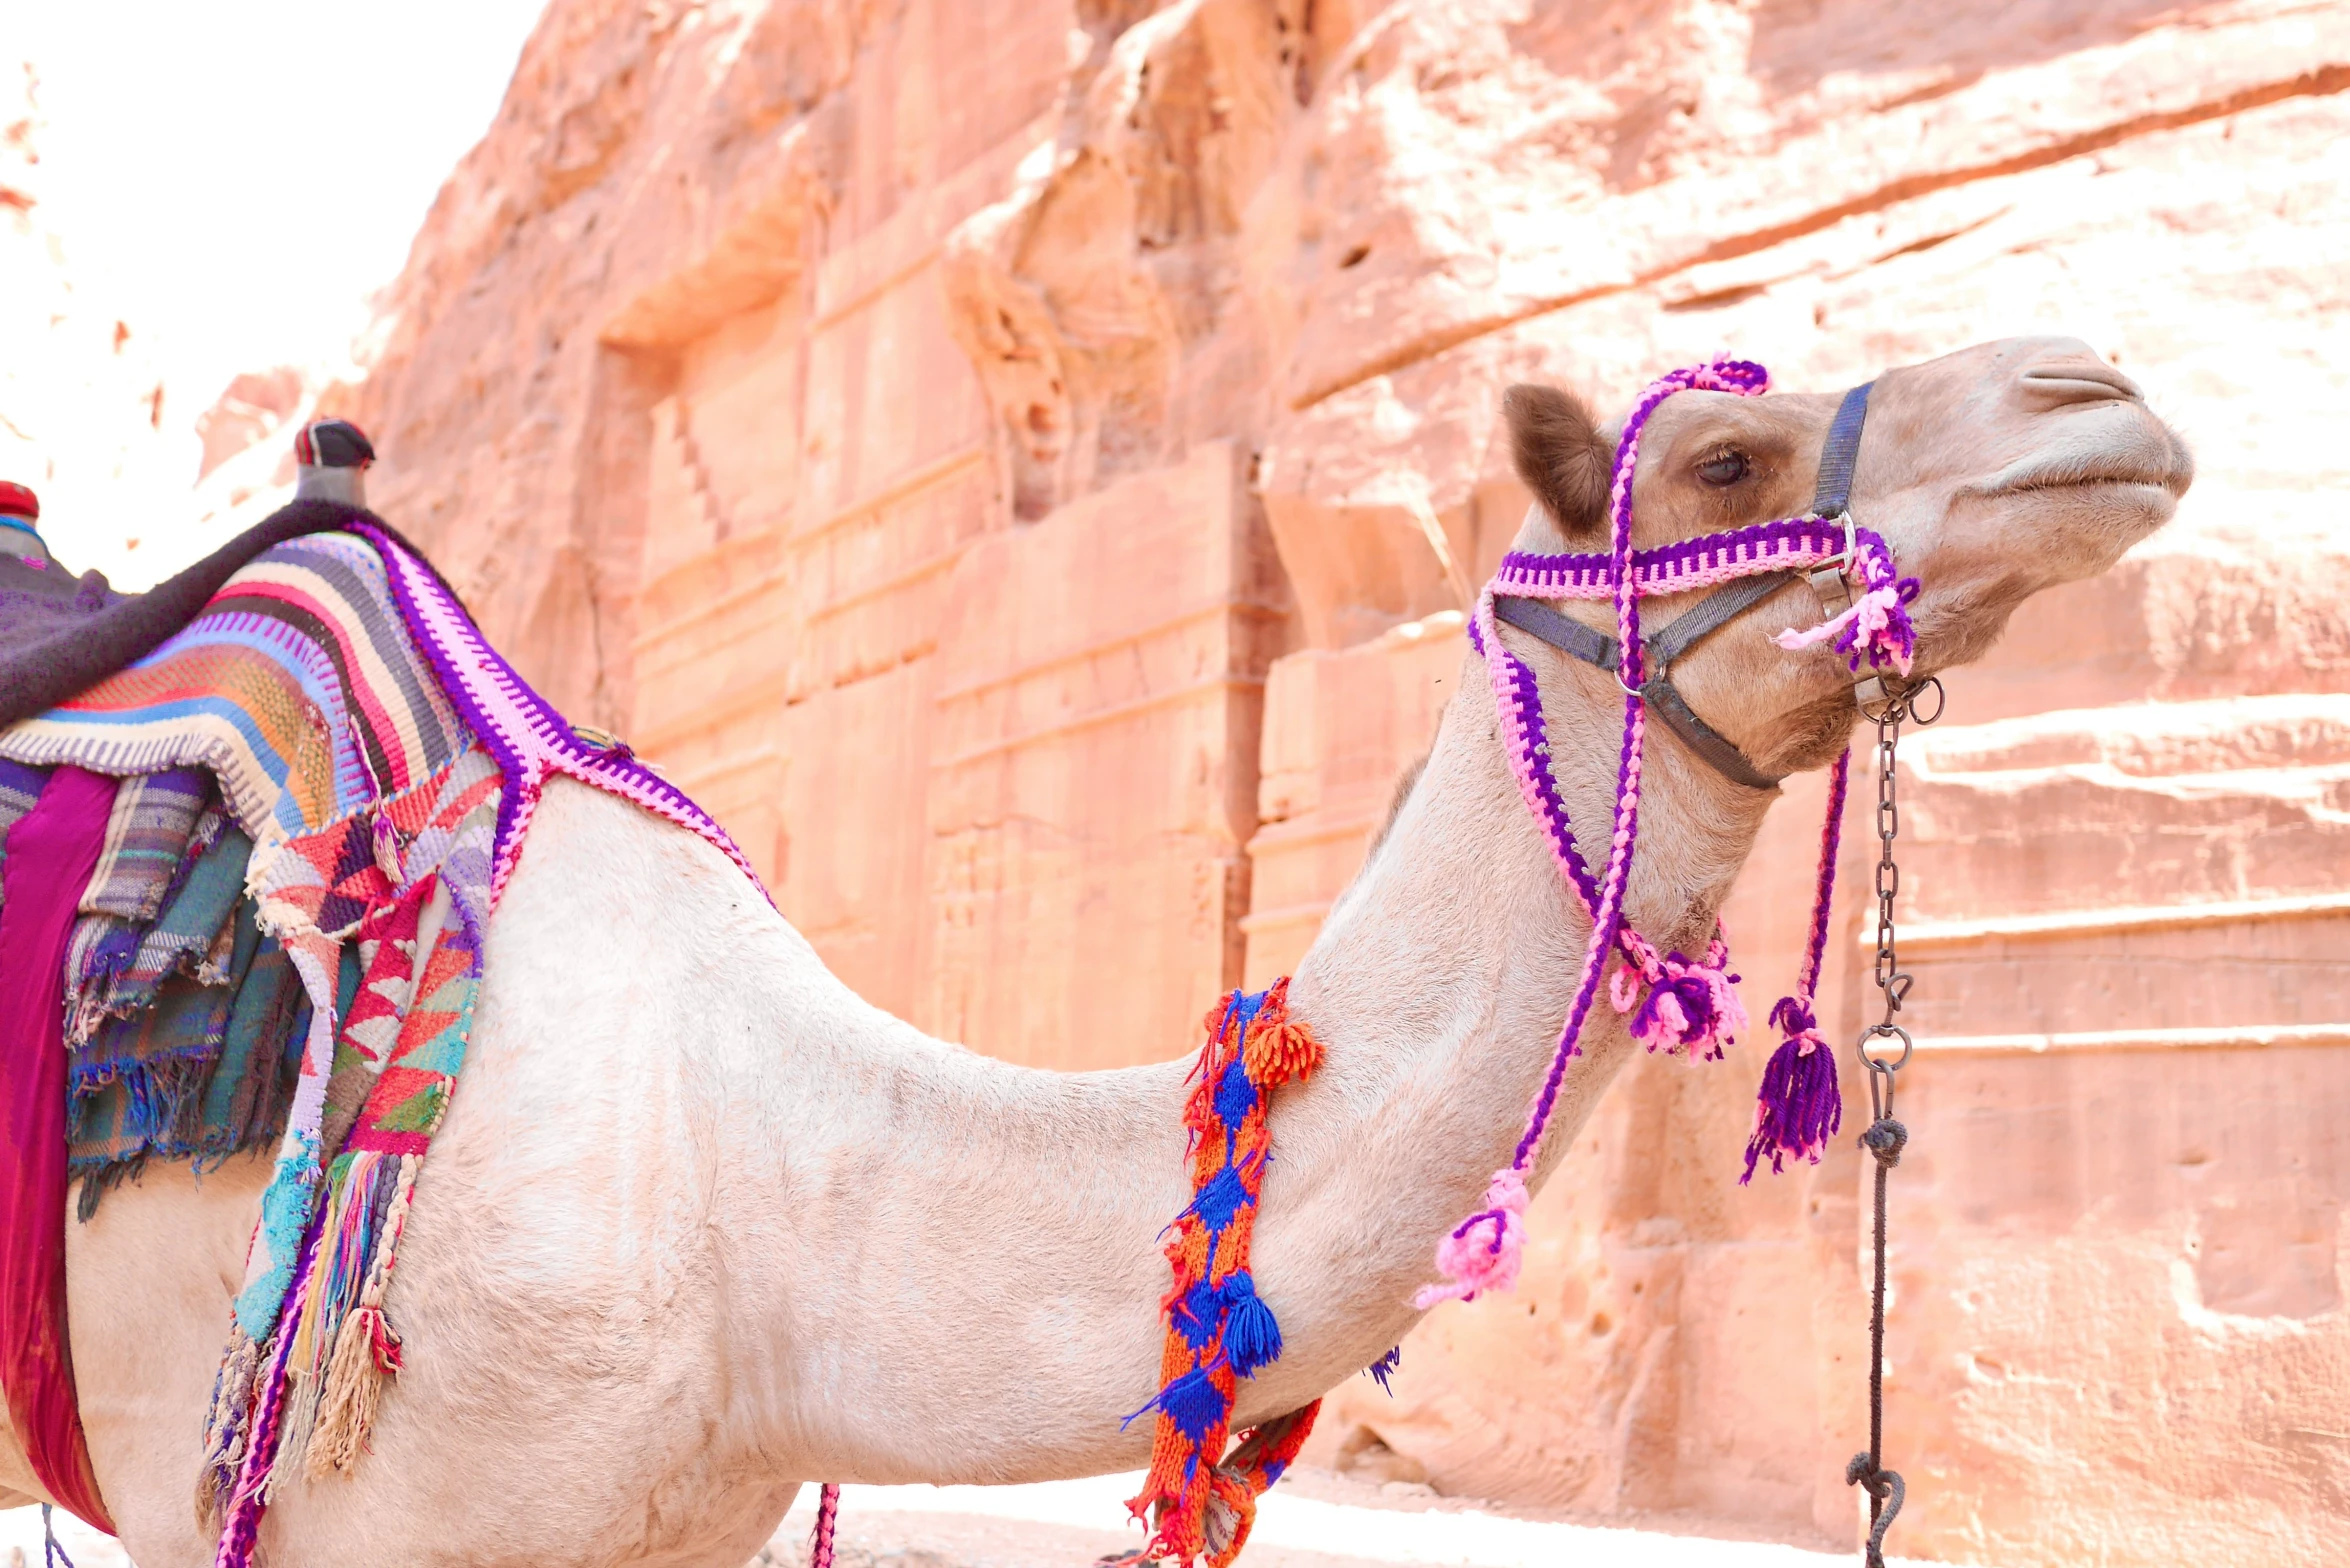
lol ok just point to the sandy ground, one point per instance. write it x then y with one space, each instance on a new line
1314 1520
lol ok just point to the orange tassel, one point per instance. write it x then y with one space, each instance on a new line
1280 1050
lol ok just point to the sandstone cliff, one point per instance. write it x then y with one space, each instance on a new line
1020 463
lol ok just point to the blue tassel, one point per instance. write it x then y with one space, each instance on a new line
1385 1367
1252 1336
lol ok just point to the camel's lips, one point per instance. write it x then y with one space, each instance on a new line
2155 461
2117 484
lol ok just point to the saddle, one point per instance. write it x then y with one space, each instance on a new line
225 808
61 634
252 826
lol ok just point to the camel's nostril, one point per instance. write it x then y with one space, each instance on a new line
2077 379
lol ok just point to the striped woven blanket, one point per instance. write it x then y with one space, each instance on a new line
333 716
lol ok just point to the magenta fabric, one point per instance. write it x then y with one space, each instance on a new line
51 852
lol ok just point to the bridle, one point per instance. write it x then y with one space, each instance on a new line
1678 1003
1832 500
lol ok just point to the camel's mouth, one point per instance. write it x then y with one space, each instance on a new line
2153 468
2136 503
2121 487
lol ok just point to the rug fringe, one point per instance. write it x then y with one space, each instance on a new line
329 1395
300 1418
366 1351
224 1428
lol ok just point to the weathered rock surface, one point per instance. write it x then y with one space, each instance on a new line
1020 462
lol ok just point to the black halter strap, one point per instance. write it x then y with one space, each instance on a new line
1838 455
1840 452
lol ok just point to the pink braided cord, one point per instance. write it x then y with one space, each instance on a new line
1484 1251
530 739
820 1544
1517 697
1807 983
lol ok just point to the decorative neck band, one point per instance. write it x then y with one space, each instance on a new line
1788 544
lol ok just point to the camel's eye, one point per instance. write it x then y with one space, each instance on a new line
1723 469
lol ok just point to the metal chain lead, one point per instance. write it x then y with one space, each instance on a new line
1885 1137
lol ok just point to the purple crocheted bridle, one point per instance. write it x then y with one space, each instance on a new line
1678 1003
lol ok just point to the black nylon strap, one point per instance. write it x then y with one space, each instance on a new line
1840 452
1683 633
1664 699
1710 614
1573 637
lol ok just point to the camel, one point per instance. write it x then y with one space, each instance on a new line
704 1227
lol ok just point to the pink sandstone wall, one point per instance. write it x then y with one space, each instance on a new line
1021 462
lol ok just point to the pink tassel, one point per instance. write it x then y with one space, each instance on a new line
1691 1006
1876 626
1667 1023
1483 1252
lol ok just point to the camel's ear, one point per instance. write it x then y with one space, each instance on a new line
1560 455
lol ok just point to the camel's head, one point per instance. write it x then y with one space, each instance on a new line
1993 473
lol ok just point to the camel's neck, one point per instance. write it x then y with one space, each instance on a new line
1438 987
966 1275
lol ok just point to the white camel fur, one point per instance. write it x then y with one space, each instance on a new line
703 1226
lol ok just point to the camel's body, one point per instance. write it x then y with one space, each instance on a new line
703 1226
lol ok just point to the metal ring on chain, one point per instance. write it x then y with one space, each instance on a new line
1881 1031
1899 703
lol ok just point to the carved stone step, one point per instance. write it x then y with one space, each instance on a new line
2177 868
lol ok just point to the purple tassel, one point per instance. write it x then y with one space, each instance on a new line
1800 1106
1688 1007
1876 627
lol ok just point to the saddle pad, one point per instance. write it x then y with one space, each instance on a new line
60 634
296 687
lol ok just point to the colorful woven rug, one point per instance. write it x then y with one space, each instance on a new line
51 849
60 634
383 761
